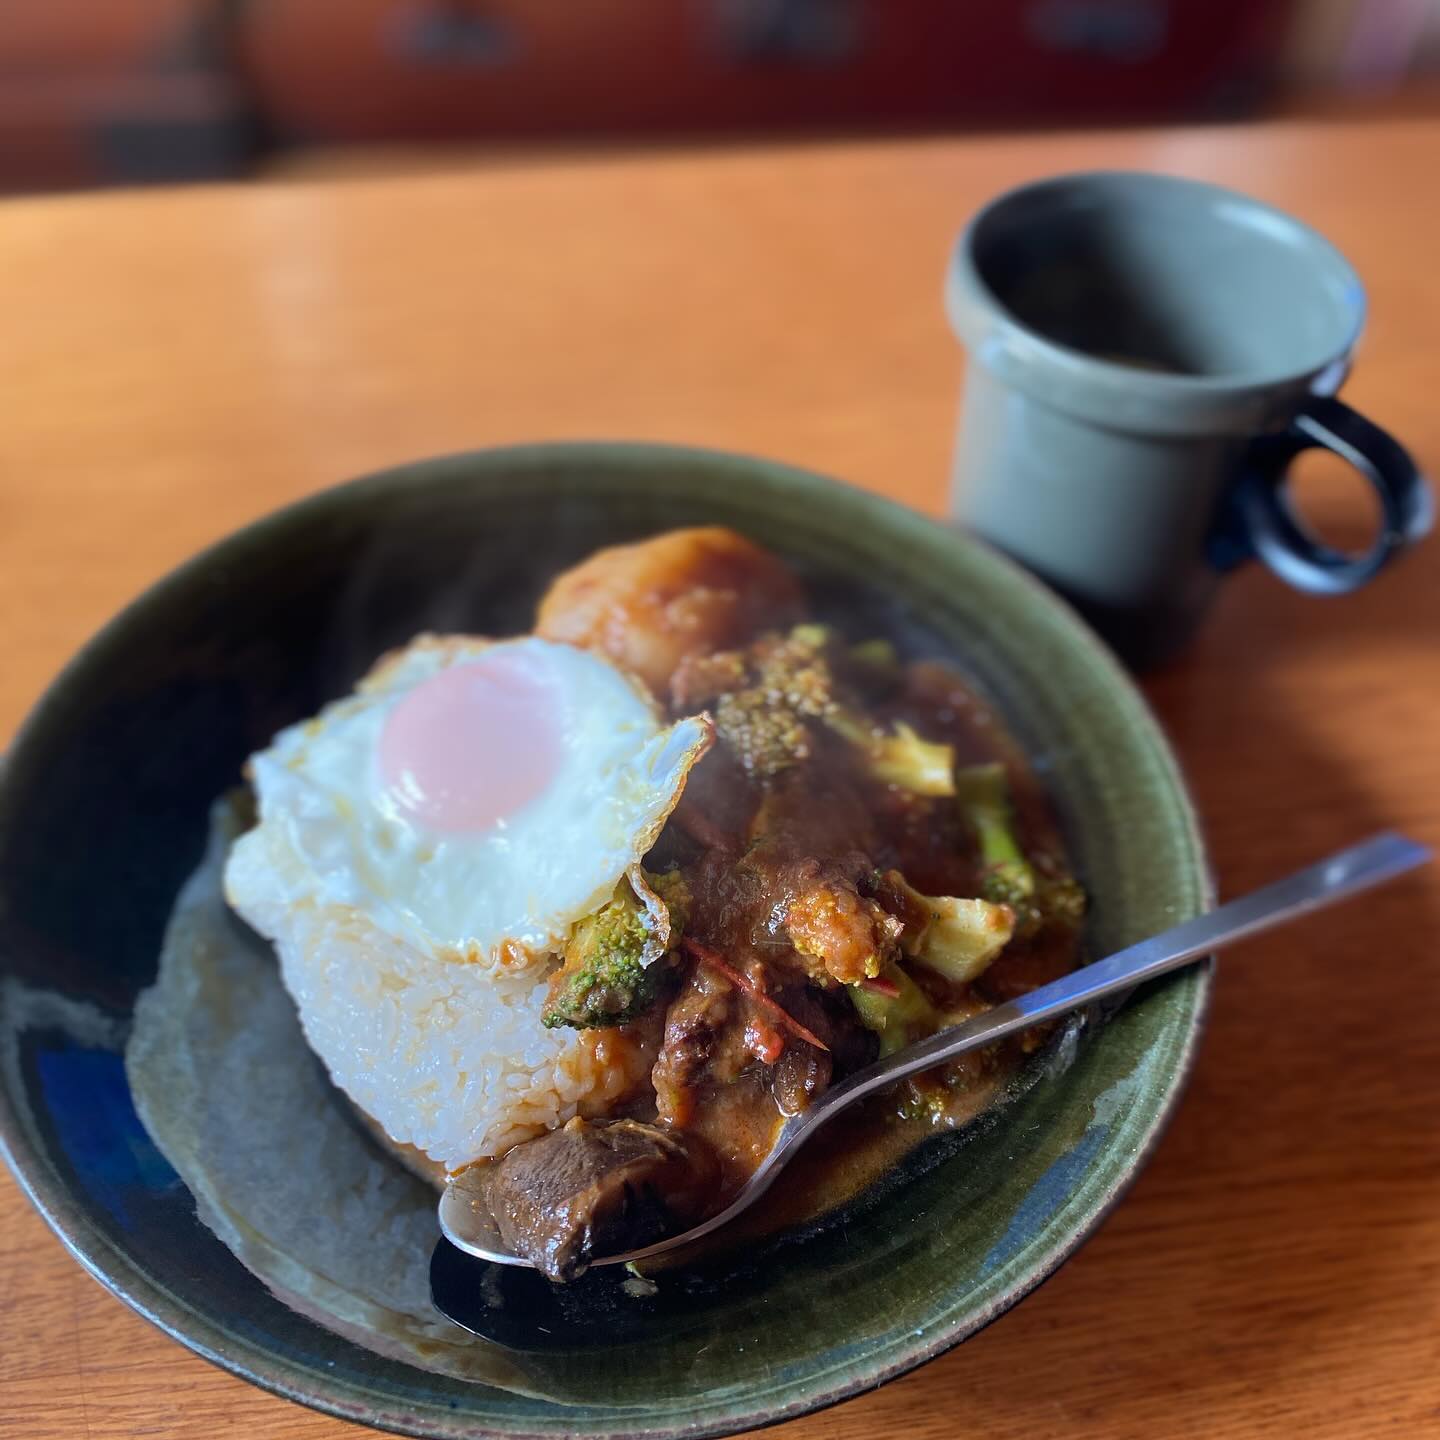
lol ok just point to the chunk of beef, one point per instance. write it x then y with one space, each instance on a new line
590 1190
705 1041
803 1073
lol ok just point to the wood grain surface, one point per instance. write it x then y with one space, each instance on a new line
173 363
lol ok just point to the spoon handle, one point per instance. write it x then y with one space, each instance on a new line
1344 874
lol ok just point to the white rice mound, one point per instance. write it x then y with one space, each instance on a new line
449 1057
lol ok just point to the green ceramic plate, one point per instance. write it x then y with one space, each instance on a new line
103 813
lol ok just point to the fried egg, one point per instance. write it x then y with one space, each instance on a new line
471 799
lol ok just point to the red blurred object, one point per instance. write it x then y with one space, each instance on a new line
55 37
105 127
164 89
118 90
421 69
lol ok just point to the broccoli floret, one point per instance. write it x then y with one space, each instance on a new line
795 671
903 759
984 792
1037 896
764 738
604 980
786 682
956 938
800 670
899 1018
674 889
790 681
610 972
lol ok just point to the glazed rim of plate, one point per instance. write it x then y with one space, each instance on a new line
771 484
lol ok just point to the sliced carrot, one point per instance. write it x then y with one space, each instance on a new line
709 957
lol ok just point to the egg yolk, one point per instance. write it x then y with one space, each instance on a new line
473 744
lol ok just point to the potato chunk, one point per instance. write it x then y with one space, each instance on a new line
650 605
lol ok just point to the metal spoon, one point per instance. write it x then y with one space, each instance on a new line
465 1216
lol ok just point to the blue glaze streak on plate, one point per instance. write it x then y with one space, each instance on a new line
89 1102
1045 1198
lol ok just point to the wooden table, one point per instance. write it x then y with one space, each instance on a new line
174 363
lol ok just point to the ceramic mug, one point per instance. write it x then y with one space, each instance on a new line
1147 355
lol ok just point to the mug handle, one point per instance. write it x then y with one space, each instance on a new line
1268 526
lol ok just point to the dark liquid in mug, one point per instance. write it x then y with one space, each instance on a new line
1098 309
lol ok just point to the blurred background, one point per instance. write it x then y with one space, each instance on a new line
133 91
